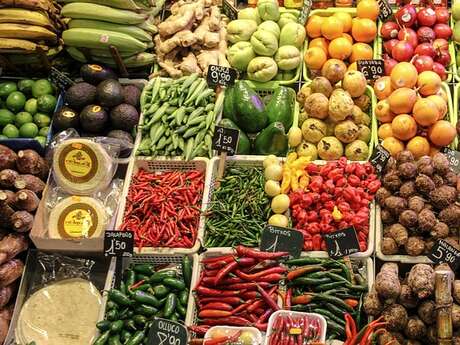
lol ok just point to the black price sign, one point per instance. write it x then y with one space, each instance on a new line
305 12
225 140
229 10
220 75
453 157
380 158
385 10
167 332
443 252
118 243
60 80
279 239
342 243
372 69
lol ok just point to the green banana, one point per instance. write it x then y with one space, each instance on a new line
80 10
132 30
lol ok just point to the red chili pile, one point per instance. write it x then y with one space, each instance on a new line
163 208
292 329
338 197
238 290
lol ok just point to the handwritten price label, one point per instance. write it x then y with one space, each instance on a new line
225 140
372 69
453 157
167 332
221 76
279 239
380 158
342 243
443 252
385 10
118 243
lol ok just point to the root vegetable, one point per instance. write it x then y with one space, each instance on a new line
7 158
387 217
395 204
424 184
392 182
398 233
451 179
371 304
26 200
30 162
7 312
426 311
406 297
396 316
443 196
440 230
413 342
30 182
11 245
22 221
429 243
456 316
416 203
5 210
431 335
426 220
386 337
10 272
408 218
391 166
7 178
451 216
425 166
5 295
4 324
381 195
389 246
405 156
415 328
456 291
387 283
407 189
7 197
414 245
407 170
441 164
421 280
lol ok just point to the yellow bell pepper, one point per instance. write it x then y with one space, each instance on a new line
336 214
291 157
295 180
286 182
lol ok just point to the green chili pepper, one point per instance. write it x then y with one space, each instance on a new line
130 325
159 276
119 297
112 315
160 291
174 283
146 298
116 326
102 339
136 338
125 335
140 320
103 325
170 305
146 310
183 297
115 340
130 278
187 269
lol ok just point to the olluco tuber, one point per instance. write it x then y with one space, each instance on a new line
26 200
30 182
387 283
426 220
408 218
415 328
396 316
421 280
443 196
441 164
424 184
22 221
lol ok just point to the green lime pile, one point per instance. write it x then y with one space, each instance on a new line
26 108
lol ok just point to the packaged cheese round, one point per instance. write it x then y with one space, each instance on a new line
77 217
82 166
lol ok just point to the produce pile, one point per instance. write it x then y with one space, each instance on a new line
26 108
309 329
266 42
146 291
127 25
266 119
417 201
21 180
413 111
419 35
100 105
191 39
335 117
178 117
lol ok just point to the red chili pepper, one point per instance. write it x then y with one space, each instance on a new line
218 264
134 286
255 276
287 300
230 321
242 307
201 290
224 271
267 298
255 305
199 330
229 300
214 313
217 258
217 305
256 254
262 265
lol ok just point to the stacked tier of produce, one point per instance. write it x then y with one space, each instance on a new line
22 177
419 35
191 39
266 43
94 26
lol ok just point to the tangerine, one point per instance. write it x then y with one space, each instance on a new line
363 30
332 27
339 48
368 9
313 26
345 18
320 42
361 51
315 58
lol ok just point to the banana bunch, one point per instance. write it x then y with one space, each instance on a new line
95 25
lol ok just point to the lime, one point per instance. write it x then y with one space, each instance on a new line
3 137
16 101
6 88
22 118
42 87
25 86
42 120
31 106
41 140
28 130
46 103
6 117
10 131
44 131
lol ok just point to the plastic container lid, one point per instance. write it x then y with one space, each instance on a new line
247 332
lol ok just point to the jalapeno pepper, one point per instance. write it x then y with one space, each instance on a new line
116 326
115 340
136 338
144 269
160 291
140 320
183 297
174 283
111 305
119 297
170 305
125 335
146 298
130 277
102 339
111 315
187 269
145 309
159 276
103 325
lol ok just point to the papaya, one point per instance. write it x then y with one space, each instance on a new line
250 113
280 107
244 145
272 140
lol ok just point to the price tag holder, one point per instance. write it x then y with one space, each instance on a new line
453 157
118 243
305 12
229 10
167 332
60 80
279 239
380 158
443 252
225 140
385 10
221 76
342 243
372 69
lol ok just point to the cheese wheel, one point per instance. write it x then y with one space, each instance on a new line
82 166
77 217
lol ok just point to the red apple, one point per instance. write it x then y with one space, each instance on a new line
389 63
389 45
389 30
408 35
406 15
425 34
442 15
440 70
426 17
423 63
425 49
440 44
442 31
443 57
402 51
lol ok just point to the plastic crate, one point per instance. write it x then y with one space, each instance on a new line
152 165
327 13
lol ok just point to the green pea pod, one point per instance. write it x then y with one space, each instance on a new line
103 325
102 339
115 340
116 326
136 338
119 297
187 267
170 305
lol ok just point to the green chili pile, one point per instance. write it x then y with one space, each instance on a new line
239 209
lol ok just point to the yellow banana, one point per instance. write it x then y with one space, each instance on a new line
28 32
22 16
11 45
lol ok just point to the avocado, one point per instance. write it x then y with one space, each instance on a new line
122 135
280 108
93 118
250 113
124 116
229 103
272 140
132 95
244 145
66 118
80 95
94 74
110 93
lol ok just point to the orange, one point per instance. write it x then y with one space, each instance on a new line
345 18
313 26
361 51
348 37
368 9
320 42
331 28
340 48
315 58
363 30
352 67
